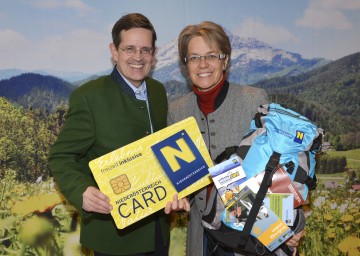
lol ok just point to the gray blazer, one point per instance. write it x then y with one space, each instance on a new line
223 128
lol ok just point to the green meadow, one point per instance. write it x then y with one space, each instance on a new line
352 157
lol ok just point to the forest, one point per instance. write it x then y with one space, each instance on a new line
25 139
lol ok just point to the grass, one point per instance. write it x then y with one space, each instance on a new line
338 174
352 157
353 154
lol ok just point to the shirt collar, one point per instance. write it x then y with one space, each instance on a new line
140 92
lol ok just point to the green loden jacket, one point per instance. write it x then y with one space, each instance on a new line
104 115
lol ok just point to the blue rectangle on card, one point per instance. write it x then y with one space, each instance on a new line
180 159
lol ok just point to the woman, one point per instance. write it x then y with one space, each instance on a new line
223 112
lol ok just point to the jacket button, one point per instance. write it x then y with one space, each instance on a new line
142 107
212 134
147 132
213 146
212 121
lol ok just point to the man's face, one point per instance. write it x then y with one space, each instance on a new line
134 67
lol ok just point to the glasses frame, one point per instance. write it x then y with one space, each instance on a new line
131 51
208 57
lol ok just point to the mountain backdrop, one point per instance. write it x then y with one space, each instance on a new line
251 61
327 92
329 95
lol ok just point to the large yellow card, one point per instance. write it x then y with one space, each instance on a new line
141 177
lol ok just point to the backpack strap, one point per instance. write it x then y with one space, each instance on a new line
311 183
226 154
270 169
317 142
302 177
258 121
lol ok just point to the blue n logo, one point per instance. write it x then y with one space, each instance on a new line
182 152
299 137
180 159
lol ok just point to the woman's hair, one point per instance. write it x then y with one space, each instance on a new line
212 33
129 21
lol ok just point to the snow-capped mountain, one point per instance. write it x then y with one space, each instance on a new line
167 54
251 61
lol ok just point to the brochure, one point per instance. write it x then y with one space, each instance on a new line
238 207
268 228
281 183
282 204
228 176
141 177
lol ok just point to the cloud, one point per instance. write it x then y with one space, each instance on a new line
77 5
12 47
328 14
79 50
10 38
264 32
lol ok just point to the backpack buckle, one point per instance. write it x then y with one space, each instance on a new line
272 166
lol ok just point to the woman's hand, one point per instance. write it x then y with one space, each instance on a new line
294 241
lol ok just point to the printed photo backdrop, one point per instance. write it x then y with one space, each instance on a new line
304 53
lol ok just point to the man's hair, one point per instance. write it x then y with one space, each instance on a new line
212 33
129 21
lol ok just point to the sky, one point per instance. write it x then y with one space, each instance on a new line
74 35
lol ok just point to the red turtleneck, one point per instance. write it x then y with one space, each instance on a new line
206 99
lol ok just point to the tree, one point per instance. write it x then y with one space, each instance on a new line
25 142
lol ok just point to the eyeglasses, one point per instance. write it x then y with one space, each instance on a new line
131 50
210 58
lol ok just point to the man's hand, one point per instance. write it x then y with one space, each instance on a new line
95 201
177 205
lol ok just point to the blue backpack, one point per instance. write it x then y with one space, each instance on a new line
276 128
277 136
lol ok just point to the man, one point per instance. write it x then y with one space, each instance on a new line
105 114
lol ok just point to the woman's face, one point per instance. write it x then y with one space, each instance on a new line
206 72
